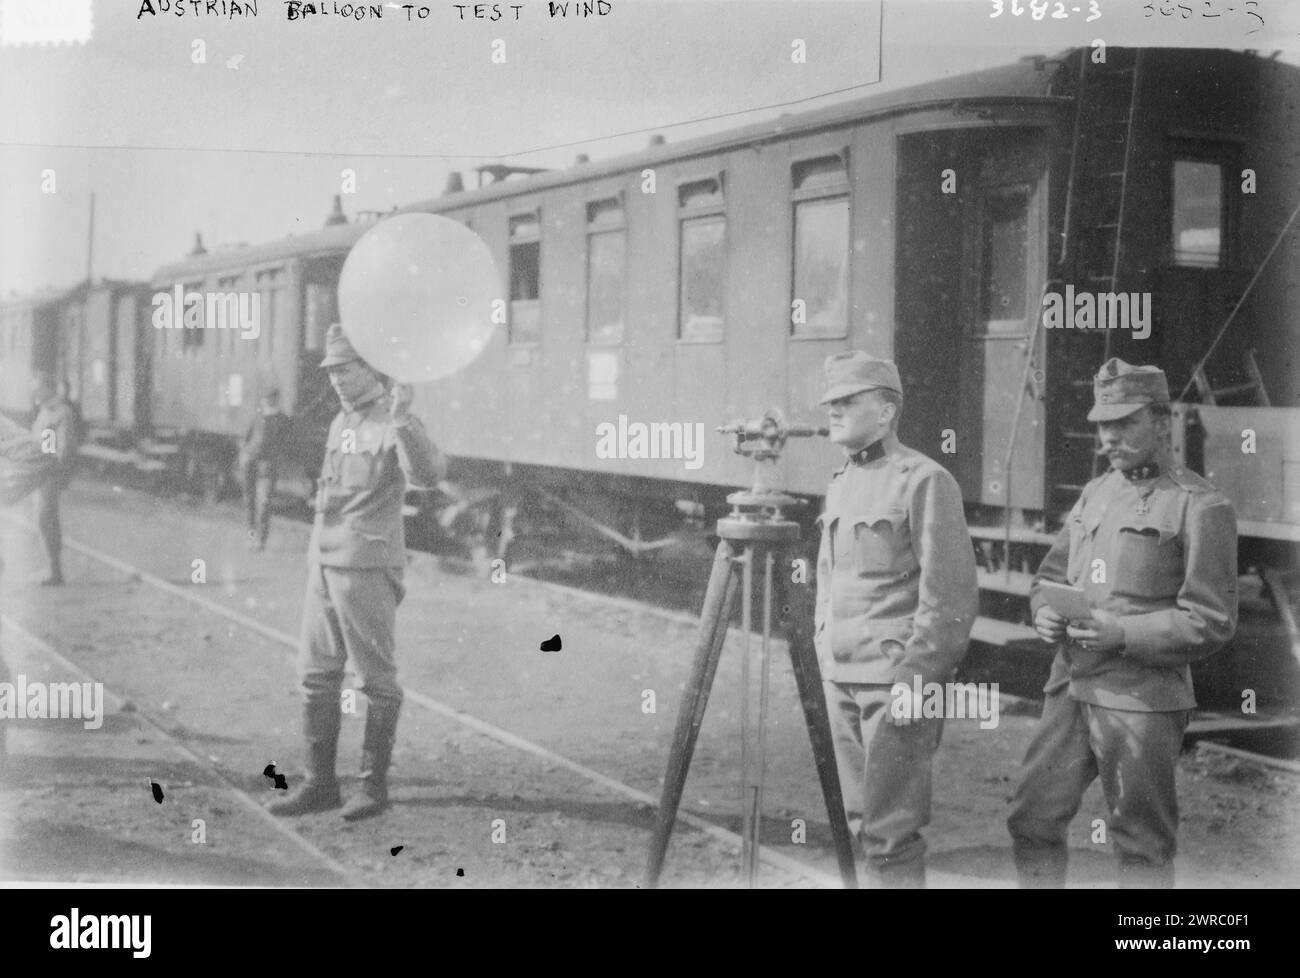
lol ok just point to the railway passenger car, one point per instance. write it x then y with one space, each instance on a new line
704 281
206 382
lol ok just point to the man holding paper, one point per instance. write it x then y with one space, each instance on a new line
1153 548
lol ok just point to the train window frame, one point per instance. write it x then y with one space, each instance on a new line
1010 328
266 327
595 227
192 339
534 237
1227 156
811 190
227 283
696 208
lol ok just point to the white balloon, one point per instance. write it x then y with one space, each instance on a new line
416 294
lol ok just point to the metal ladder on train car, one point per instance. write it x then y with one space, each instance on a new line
1091 248
1254 387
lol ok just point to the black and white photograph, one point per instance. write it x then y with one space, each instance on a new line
650 444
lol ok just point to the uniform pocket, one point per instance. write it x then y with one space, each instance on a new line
875 540
1148 562
356 470
1082 527
891 638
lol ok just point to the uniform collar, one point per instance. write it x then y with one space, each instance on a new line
1139 473
873 452
365 400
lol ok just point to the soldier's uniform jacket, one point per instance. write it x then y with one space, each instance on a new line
896 588
359 501
1161 554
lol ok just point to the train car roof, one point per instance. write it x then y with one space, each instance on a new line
45 297
1017 83
338 237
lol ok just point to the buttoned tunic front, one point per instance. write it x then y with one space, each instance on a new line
1161 555
897 593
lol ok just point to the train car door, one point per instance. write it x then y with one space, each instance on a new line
1004 256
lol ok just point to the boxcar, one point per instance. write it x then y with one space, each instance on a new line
103 356
29 344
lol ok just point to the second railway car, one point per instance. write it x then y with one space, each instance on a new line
206 381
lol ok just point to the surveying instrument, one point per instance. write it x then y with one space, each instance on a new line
755 533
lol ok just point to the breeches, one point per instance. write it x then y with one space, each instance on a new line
884 772
350 613
1134 753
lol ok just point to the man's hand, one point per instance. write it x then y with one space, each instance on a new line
400 409
1100 633
1049 624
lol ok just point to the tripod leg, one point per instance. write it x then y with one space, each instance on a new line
718 602
807 676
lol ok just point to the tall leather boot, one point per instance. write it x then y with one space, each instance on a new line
320 790
376 752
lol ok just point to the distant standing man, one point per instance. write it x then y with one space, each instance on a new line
356 559
1154 547
55 432
265 444
896 600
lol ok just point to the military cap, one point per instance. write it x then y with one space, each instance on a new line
337 348
1120 388
853 371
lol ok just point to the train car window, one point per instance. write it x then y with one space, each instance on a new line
322 309
702 247
701 194
1004 258
822 172
606 271
192 339
525 278
227 337
820 273
1198 213
270 282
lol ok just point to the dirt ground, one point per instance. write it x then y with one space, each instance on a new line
78 804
